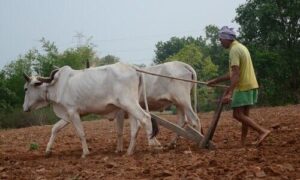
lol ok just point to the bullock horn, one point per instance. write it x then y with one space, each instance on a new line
48 79
55 67
26 77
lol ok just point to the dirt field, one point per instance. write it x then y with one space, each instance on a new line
277 158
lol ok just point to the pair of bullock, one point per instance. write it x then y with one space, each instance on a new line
113 90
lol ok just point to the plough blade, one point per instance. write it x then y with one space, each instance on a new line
188 132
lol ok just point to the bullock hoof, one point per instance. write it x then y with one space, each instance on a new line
85 154
129 153
117 151
154 142
157 147
48 153
172 145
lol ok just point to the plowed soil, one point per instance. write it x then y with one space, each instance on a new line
277 158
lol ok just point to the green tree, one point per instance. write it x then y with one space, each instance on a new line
34 63
270 23
8 98
215 50
209 45
76 57
14 80
173 46
73 57
204 67
45 63
108 59
192 55
212 35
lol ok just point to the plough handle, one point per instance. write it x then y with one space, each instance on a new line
211 130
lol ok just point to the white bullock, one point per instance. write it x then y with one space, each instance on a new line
100 90
162 92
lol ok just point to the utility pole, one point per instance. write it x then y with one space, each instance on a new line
79 36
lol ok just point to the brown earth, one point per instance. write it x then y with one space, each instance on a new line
277 158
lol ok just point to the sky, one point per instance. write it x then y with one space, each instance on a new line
128 29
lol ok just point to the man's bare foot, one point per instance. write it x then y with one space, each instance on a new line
262 137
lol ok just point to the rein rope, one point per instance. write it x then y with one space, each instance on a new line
180 79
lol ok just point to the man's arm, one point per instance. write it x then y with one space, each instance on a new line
225 77
235 77
234 80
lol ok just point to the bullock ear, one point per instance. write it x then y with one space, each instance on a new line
26 77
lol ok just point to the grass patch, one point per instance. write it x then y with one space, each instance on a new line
45 116
33 146
19 119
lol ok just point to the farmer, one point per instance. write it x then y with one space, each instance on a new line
243 88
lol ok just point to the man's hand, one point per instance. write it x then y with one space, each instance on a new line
234 79
227 98
210 82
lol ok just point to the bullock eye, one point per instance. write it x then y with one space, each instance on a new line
38 83
25 89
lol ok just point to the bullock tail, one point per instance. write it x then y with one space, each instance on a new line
155 129
194 78
143 83
195 91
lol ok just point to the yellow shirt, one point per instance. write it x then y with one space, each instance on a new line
240 56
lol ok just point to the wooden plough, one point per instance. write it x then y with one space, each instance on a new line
188 132
192 134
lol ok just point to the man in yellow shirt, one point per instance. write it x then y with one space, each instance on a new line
243 88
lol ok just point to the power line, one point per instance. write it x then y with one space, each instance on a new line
129 50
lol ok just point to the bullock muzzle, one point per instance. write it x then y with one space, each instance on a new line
26 109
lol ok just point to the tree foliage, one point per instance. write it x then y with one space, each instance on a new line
217 53
7 98
34 63
205 55
209 47
192 55
73 57
108 59
173 46
204 67
268 22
